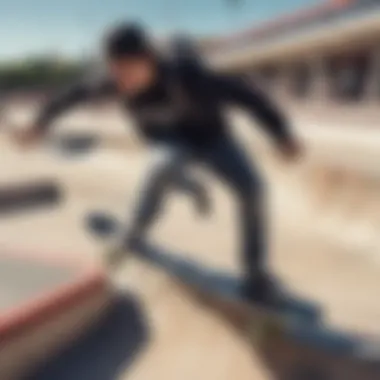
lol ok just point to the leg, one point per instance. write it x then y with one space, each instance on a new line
230 163
190 185
167 165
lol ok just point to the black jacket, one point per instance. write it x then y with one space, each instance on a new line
185 104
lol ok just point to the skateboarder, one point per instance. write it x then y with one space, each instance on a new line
178 107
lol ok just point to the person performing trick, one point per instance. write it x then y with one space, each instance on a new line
178 109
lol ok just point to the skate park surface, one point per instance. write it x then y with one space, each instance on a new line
323 247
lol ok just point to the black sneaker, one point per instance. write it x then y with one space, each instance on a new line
262 290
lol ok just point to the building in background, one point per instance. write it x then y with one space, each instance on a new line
327 53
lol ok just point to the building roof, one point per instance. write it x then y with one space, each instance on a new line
292 20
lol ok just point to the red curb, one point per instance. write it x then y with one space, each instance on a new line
90 280
41 309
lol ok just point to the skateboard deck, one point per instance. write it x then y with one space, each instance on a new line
215 287
223 291
294 342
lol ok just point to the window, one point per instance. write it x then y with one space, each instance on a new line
267 75
300 80
349 76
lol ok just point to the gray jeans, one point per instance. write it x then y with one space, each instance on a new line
227 160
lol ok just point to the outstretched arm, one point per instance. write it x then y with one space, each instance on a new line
61 102
251 98
70 97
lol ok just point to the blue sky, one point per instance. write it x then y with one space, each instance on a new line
69 26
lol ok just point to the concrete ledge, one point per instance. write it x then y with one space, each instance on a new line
29 195
35 330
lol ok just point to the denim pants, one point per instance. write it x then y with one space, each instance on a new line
225 159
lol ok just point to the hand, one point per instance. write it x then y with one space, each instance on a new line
27 138
291 150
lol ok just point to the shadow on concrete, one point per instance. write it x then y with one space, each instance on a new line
306 350
27 196
287 358
107 351
73 145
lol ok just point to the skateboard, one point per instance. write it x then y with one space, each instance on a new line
212 288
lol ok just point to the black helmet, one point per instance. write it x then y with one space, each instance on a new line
127 39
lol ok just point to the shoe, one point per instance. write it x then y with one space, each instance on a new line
263 290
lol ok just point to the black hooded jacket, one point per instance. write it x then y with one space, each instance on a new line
185 104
